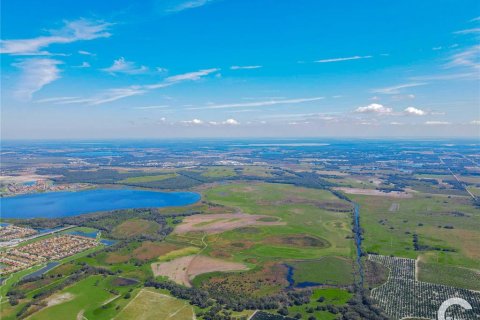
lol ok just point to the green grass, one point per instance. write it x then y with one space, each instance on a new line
328 270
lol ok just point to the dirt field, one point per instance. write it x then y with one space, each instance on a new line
373 192
182 270
217 223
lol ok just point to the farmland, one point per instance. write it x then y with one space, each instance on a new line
275 236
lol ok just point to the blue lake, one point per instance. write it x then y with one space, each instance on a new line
64 204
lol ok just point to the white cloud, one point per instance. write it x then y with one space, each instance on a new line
35 74
244 67
475 122
414 111
374 108
436 123
123 66
397 89
193 122
342 59
258 103
82 29
231 122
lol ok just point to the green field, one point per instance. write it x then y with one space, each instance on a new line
328 270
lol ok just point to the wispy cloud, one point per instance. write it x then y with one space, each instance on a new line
244 67
436 123
152 107
123 66
475 122
342 59
469 58
196 75
83 65
174 6
258 103
115 94
468 31
35 74
85 53
77 30
397 89
375 108
451 76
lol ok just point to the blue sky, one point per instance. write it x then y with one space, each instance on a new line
228 68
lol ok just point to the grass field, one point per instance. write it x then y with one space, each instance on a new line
328 270
149 304
391 233
85 296
219 172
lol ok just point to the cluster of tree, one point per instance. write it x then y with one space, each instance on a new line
107 221
422 247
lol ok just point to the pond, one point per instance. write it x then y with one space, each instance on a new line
64 204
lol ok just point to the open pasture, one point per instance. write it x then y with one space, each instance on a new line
148 304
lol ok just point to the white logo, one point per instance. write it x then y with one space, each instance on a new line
450 302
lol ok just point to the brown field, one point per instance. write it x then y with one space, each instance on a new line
148 250
297 240
135 227
151 250
269 280
217 223
183 269
373 192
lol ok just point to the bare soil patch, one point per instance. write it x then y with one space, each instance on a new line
183 269
217 223
59 298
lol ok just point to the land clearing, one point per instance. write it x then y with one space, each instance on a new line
183 269
218 223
